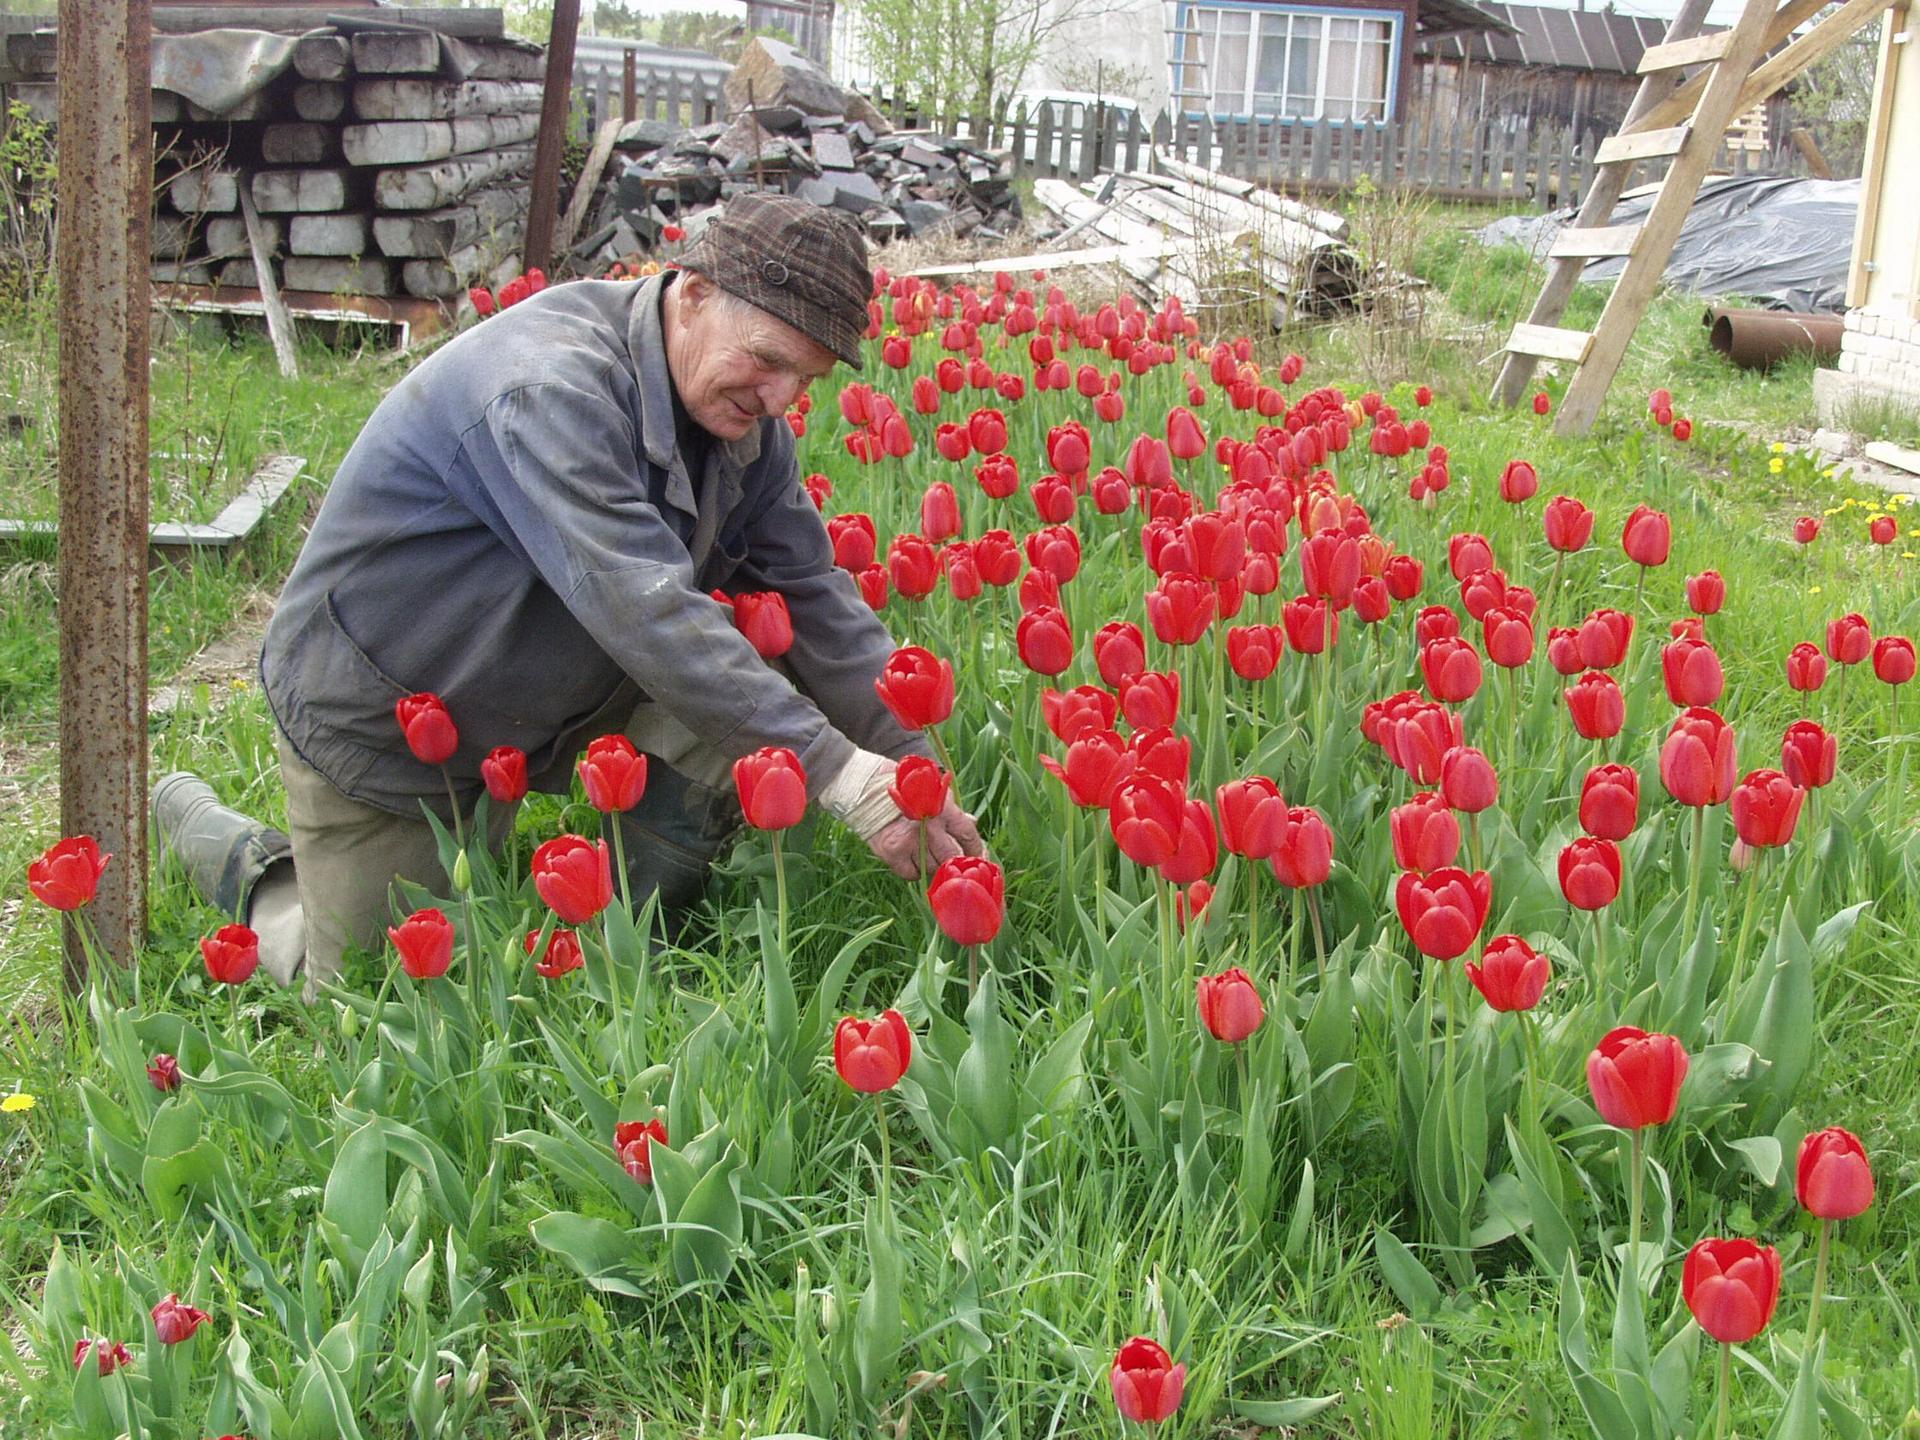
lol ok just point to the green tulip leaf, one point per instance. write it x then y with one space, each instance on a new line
607 1257
1282 1414
1409 1280
356 1194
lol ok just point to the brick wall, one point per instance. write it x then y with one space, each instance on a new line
1882 349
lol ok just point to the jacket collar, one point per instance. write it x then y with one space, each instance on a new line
646 339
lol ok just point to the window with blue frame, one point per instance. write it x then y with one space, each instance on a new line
1293 64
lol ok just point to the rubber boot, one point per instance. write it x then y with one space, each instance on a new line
233 861
672 838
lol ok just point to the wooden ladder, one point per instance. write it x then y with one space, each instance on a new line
1680 120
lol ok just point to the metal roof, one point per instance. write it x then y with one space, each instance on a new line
1590 40
1437 16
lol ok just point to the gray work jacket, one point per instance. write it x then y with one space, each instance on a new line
515 531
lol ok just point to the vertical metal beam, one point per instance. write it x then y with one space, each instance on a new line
629 88
101 257
555 113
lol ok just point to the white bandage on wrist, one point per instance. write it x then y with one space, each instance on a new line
858 796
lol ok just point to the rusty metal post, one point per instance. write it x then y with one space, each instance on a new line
104 189
555 115
629 88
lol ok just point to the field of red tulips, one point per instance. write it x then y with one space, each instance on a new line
1440 970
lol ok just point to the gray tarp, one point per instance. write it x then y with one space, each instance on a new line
217 69
1779 239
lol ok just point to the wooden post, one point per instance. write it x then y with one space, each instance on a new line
554 106
629 97
104 191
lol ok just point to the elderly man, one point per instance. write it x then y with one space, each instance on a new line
528 527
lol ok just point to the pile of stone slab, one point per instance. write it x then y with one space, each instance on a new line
793 131
379 161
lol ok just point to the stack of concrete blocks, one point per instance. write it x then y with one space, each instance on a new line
1882 348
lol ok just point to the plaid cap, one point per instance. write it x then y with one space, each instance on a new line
798 262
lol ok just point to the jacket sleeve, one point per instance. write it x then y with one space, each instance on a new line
559 475
839 644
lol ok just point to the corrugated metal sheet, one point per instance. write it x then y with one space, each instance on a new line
1580 40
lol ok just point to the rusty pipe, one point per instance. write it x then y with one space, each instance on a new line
1761 339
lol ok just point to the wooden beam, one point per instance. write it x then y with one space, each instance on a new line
101 258
589 182
555 116
1873 171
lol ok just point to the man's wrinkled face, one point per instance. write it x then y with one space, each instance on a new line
733 363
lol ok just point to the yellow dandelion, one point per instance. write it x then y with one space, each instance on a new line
1848 503
1827 474
1908 555
18 1103
1779 447
1776 465
1813 589
1831 510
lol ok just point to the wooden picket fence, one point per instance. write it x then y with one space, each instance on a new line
681 95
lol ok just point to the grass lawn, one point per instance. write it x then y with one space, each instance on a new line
403 1214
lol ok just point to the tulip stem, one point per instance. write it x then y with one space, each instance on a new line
1164 904
1739 975
1696 864
1726 1383
1819 1287
1253 913
620 860
780 891
1600 954
940 749
1637 1146
1553 585
453 807
1319 935
886 1151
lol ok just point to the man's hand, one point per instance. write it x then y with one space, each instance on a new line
952 832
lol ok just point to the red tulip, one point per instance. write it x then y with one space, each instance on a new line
1180 608
1569 524
1150 699
997 558
926 395
1146 813
1330 566
1435 622
988 431
1697 760
1252 815
1045 641
1468 554
916 686
1055 549
1706 592
913 566
1542 403
1404 576
428 727
1692 672
1647 537
1149 466
1096 764
1229 1004
425 942
1605 638
1119 650
1511 975
1451 667
1185 439
1893 659
1425 834
969 898
174 1322
633 1142
818 487
1766 807
1147 1385
1849 639
1083 710
1303 850
1509 637
1254 650
1610 802
1806 667
772 787
1563 650
1419 739
939 514
998 475
1590 873
232 953
919 787
505 773
1833 1179
1881 529
1468 781
1053 499
1069 448
67 874
109 1355
1111 492
1310 625
1597 706
481 299
1635 1077
1808 754
1519 482
1806 529
574 877
1444 910
164 1071
963 573
1731 1286
874 587
563 953
872 1055
853 541
613 773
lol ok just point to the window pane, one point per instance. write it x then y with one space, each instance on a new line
1230 62
1303 68
1270 71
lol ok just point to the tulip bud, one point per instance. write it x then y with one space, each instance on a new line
1731 1286
462 873
1230 1006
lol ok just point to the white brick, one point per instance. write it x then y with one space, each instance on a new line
1848 360
1851 321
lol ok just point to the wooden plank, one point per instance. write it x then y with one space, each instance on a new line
319 100
1866 222
409 142
343 234
415 99
431 186
279 323
432 234
345 277
1594 244
298 142
226 236
203 190
396 52
1680 54
1642 145
1782 66
1547 342
583 190
321 57
282 191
